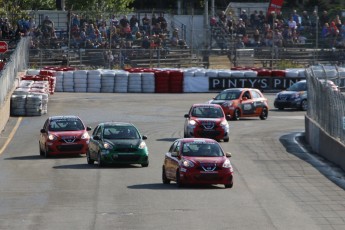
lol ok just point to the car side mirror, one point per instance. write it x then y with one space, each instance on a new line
88 128
227 154
174 154
43 131
96 138
186 116
228 117
144 137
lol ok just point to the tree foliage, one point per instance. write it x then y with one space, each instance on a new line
98 5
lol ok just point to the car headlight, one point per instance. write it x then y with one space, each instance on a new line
187 164
227 104
52 137
107 145
85 135
192 122
295 96
224 123
227 164
142 145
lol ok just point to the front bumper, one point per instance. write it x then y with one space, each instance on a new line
138 157
80 147
287 104
224 176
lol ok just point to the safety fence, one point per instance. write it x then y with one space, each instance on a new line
16 63
325 105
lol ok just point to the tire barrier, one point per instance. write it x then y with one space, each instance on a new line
31 97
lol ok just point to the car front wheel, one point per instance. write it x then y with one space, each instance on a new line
237 114
304 105
88 157
178 180
99 160
264 114
164 177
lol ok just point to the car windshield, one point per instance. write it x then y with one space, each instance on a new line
298 86
228 95
70 124
196 149
120 132
207 112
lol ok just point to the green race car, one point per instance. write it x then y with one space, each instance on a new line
117 143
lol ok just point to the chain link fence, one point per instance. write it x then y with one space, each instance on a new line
16 63
326 106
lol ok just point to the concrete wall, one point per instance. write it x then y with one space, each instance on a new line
323 144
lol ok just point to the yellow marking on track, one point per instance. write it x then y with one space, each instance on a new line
11 135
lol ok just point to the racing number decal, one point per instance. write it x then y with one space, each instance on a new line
247 107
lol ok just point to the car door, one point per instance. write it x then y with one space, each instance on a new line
247 103
259 102
94 144
171 163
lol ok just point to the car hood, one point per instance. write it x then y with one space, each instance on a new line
219 102
287 92
203 120
68 133
207 160
125 142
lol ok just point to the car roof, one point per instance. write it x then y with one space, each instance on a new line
64 117
190 139
239 89
206 105
116 123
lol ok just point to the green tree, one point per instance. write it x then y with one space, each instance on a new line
98 5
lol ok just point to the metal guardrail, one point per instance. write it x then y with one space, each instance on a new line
17 62
326 106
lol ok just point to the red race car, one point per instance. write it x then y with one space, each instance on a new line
197 161
208 121
242 102
63 135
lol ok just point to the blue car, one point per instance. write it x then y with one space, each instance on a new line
293 97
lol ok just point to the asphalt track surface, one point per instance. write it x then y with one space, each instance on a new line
279 183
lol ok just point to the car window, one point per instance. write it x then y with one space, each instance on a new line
256 94
98 132
247 95
208 112
202 150
229 95
70 124
172 147
298 86
120 132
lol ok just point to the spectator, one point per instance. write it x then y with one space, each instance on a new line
154 20
133 21
145 42
244 17
163 22
124 21
254 19
6 29
146 24
156 30
324 18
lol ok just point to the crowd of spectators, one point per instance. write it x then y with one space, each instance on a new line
281 30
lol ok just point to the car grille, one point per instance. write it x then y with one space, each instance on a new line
69 148
208 125
208 167
126 150
205 176
69 139
209 134
127 158
283 97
